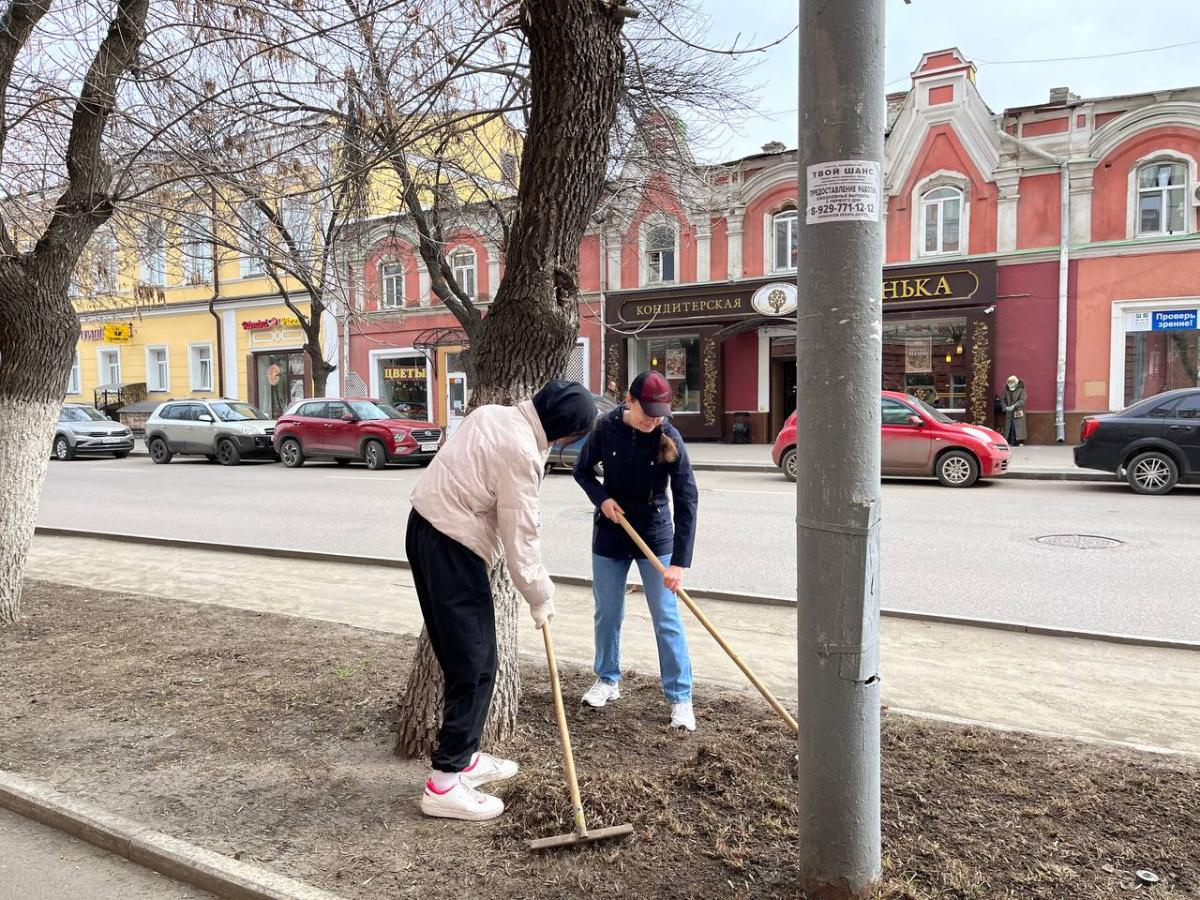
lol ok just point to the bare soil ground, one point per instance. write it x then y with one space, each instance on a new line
268 738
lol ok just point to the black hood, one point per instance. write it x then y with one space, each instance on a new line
565 407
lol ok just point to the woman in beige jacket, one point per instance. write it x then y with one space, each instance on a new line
478 501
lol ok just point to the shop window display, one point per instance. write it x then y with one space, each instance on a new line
678 358
1157 361
927 358
403 384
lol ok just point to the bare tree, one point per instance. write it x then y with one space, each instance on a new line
38 325
592 97
92 93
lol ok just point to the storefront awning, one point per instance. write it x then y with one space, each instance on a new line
746 325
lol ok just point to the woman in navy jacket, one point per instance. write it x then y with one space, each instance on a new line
642 455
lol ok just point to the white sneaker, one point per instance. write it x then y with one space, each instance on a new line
601 693
682 716
460 802
487 768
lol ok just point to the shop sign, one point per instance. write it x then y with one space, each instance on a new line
271 324
92 334
404 373
778 299
1163 320
956 284
117 333
669 309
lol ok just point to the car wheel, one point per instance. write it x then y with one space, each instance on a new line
120 454
63 449
342 461
788 464
160 452
291 453
228 454
1152 473
958 469
376 455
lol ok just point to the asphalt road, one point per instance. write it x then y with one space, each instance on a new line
960 552
39 863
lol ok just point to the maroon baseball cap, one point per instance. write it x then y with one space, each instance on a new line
653 391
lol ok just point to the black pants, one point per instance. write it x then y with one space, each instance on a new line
456 602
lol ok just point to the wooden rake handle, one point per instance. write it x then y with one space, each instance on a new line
712 629
564 734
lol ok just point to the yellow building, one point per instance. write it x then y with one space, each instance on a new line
145 286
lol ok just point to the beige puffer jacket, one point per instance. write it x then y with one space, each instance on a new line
482 490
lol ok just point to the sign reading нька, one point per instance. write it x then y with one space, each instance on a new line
955 284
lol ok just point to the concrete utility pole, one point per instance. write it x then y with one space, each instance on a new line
838 357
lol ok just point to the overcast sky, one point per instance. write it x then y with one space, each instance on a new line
990 32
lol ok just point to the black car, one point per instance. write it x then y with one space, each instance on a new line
1154 444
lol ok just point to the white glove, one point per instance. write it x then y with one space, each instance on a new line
542 613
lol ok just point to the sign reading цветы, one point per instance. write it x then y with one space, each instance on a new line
846 190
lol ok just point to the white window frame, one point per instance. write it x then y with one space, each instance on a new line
253 224
151 365
105 254
194 382
154 258
1158 157
102 368
297 217
375 381
792 218
397 299
647 252
196 243
928 200
460 270
74 388
940 179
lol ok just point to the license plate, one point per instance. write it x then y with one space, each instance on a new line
429 448
113 440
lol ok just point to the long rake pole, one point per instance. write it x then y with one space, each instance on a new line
712 629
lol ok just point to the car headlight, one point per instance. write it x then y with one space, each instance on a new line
400 437
248 430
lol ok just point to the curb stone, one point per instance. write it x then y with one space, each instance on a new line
170 856
581 581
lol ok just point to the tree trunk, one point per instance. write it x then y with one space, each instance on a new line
577 65
38 331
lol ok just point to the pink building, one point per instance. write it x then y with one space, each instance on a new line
696 276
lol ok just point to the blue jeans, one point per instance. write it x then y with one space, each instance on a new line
608 587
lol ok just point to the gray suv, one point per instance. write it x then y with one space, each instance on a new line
227 431
84 430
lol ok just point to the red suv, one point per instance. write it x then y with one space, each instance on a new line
919 440
352 430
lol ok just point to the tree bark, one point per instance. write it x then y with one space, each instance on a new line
37 344
577 67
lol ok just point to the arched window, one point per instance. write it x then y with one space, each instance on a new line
660 254
462 263
1162 198
941 213
391 295
787 240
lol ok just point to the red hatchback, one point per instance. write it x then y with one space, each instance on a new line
352 430
919 440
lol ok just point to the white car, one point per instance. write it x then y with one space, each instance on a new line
227 431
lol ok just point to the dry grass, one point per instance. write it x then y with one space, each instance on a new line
268 737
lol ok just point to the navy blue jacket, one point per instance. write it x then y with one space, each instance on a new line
637 479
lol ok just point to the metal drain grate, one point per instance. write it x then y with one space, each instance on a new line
1079 541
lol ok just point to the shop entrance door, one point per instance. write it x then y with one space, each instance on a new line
783 393
281 380
458 394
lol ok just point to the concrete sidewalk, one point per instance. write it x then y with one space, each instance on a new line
1138 696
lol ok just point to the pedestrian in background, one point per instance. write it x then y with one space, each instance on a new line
478 498
643 455
612 392
1016 430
